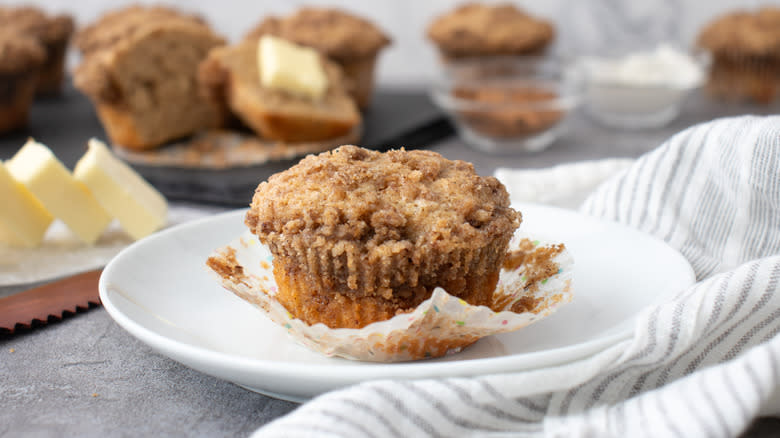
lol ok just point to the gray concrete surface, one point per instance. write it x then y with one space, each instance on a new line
85 376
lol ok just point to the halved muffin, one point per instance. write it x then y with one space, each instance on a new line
140 71
359 236
230 76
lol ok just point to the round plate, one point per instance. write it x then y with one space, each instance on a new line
160 291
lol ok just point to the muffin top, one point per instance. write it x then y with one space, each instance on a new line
18 52
383 201
333 32
35 23
744 33
476 29
121 24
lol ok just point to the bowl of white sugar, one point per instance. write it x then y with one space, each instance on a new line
640 89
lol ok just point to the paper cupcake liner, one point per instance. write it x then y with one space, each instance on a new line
440 325
318 270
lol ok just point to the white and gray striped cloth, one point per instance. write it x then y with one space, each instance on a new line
704 364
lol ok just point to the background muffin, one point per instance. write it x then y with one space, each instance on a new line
52 32
351 41
21 58
139 68
745 48
488 30
359 236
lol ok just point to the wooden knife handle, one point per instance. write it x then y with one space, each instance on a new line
52 300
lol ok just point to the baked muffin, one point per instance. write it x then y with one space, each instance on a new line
359 236
745 48
21 58
230 77
140 71
351 41
52 32
475 29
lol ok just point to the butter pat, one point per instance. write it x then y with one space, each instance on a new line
287 66
23 220
43 174
140 208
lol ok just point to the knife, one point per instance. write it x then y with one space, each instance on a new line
50 302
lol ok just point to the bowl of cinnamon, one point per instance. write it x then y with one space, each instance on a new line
507 105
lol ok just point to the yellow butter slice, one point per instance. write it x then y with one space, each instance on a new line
287 66
35 166
138 206
23 219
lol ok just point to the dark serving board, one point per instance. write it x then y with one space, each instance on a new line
65 123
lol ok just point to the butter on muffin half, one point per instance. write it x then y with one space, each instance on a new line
351 41
230 78
359 236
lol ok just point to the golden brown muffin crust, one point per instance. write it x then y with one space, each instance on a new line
475 29
19 53
332 31
744 33
34 22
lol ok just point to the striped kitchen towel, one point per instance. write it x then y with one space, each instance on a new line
706 363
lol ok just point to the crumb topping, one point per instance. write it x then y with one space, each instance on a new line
389 202
477 29
19 53
332 31
35 23
752 33
122 24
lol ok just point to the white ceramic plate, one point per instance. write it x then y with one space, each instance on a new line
161 292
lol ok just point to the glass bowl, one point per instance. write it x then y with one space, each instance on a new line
617 98
506 105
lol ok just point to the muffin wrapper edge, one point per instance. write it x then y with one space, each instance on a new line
440 325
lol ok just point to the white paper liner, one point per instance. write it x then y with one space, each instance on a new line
440 325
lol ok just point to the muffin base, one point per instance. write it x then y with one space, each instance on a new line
745 77
53 70
16 96
310 302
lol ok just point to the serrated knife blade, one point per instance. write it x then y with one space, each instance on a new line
51 301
